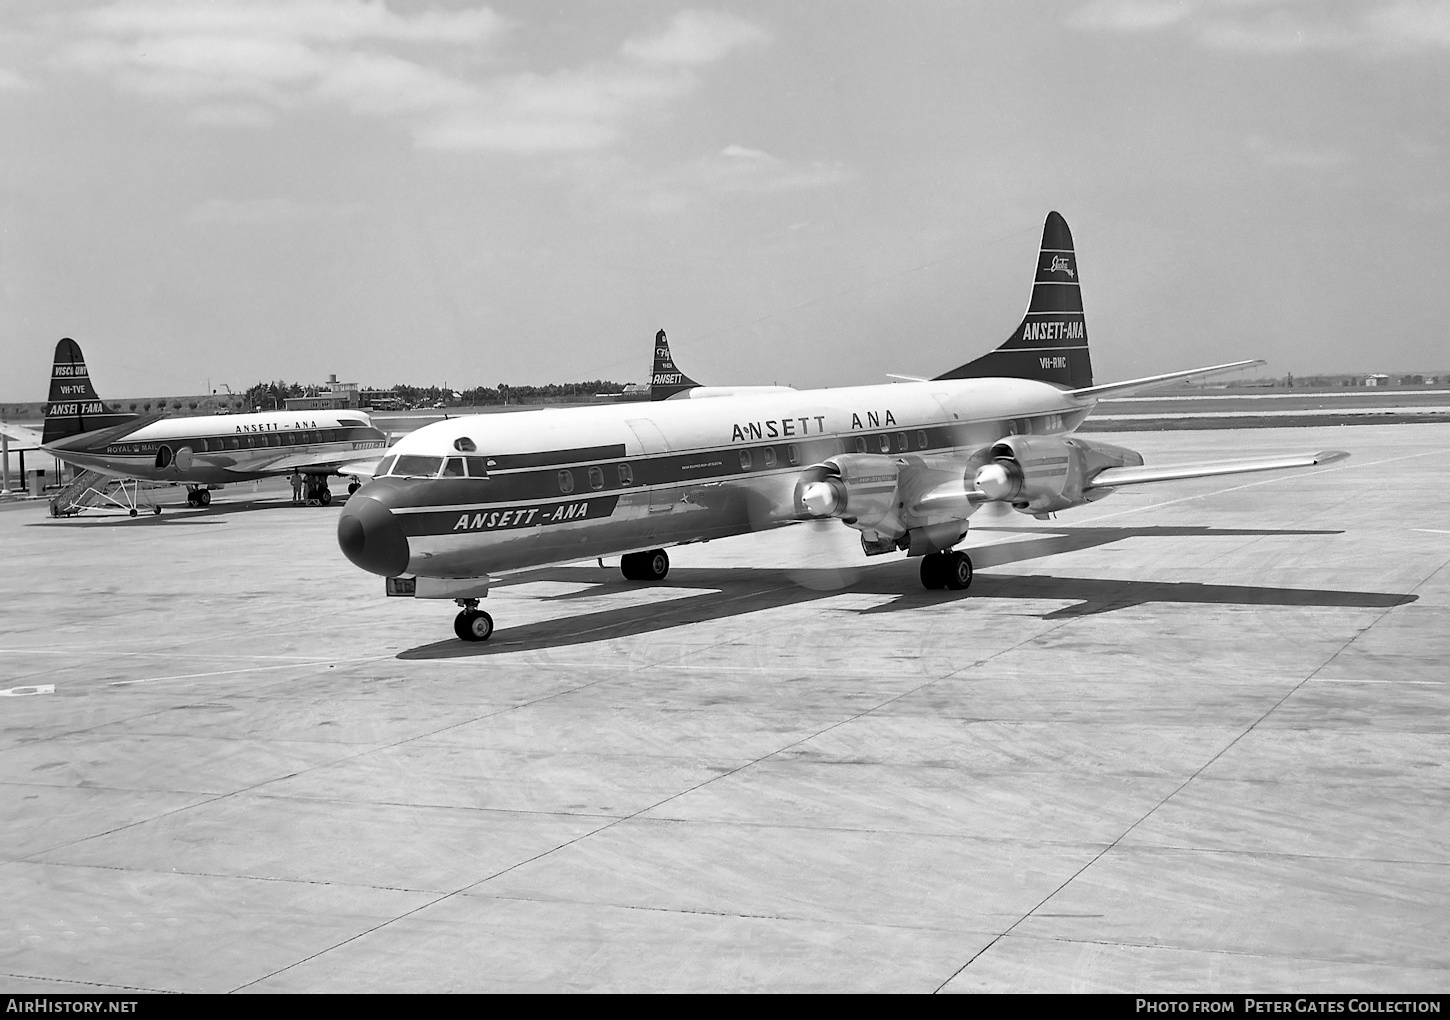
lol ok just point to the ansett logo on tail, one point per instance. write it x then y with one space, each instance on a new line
1071 330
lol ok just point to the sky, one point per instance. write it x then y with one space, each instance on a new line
813 193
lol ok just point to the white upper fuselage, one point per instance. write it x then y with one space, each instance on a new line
571 483
213 449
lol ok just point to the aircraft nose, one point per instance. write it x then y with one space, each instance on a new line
371 537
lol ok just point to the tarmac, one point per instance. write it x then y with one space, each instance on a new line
1191 738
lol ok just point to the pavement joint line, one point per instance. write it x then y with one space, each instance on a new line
1431 531
76 981
1165 947
233 877
248 669
1333 680
1151 811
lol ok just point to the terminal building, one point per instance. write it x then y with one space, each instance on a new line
338 396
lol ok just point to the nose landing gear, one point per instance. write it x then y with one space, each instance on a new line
473 624
946 570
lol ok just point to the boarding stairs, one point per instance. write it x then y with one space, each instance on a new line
92 491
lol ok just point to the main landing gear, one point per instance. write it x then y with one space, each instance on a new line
318 494
196 496
947 570
473 624
645 566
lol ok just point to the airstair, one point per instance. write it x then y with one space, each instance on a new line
94 492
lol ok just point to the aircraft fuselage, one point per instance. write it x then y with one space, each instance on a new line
573 483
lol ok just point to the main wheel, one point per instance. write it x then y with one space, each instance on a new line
629 567
959 571
352 487
133 511
191 497
203 496
656 565
473 625
325 497
934 571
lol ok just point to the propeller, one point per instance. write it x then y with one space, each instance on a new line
820 554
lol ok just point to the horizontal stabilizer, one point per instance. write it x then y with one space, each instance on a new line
99 439
360 468
20 433
1148 382
1111 478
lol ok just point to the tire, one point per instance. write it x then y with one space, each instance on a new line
959 571
473 625
203 497
656 565
353 487
133 513
629 566
934 571
325 497
156 510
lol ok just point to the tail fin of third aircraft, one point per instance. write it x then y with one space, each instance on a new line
73 406
666 380
1051 342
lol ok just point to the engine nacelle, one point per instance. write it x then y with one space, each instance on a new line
1040 474
859 488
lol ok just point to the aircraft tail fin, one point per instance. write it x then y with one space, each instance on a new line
665 379
1050 344
74 406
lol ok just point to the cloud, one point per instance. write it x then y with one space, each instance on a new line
10 81
231 212
735 170
246 62
694 38
1275 27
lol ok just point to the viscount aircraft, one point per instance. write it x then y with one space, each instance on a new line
666 382
458 502
83 430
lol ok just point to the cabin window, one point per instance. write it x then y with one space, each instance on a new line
476 467
770 456
901 443
860 444
596 478
384 467
626 475
921 440
884 441
566 481
417 467
453 467
744 460
464 445
275 439
793 454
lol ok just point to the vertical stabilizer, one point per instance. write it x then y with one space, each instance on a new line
73 406
1050 344
666 380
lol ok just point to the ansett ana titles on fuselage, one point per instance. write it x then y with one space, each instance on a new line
216 449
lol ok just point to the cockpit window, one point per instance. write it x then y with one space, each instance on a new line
354 422
464 445
453 467
476 468
385 466
416 467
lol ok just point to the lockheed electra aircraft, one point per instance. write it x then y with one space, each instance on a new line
82 430
905 464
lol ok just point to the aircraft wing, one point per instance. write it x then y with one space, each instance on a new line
1111 478
1149 381
359 468
20 433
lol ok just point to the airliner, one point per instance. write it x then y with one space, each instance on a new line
204 450
667 382
460 502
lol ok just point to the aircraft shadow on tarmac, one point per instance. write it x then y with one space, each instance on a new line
750 589
172 515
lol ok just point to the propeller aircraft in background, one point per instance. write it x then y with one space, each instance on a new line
199 451
460 501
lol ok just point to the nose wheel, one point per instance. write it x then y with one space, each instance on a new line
473 625
946 570
645 566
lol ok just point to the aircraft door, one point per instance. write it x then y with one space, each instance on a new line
163 457
652 443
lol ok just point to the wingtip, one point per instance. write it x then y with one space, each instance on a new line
1330 456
